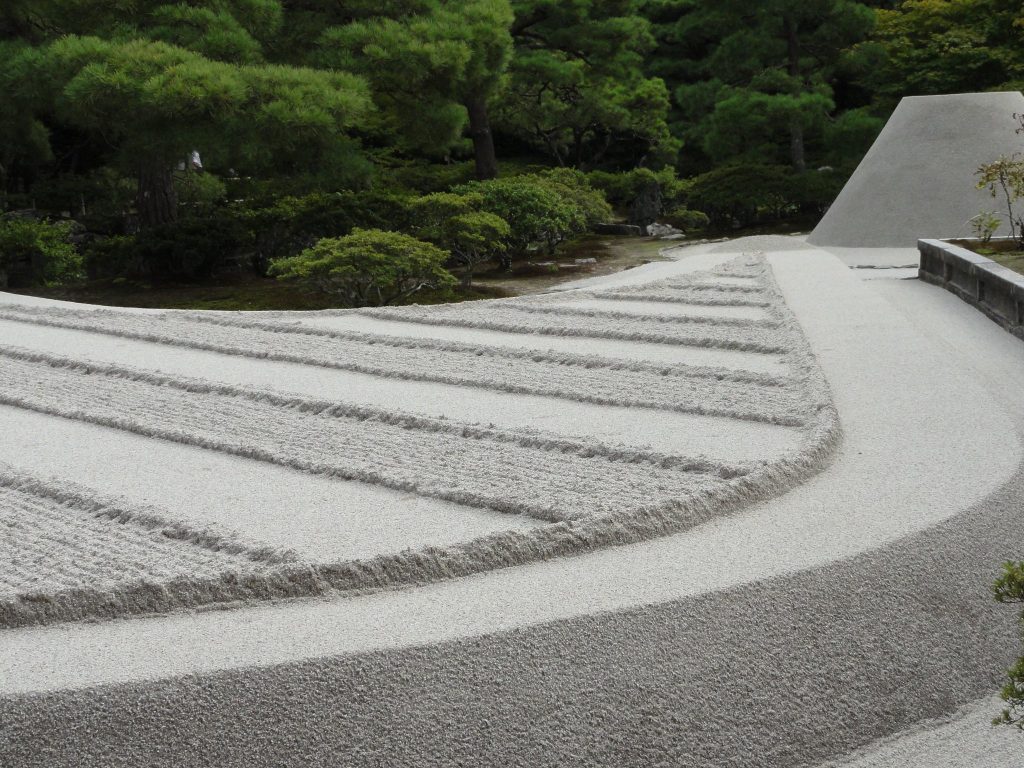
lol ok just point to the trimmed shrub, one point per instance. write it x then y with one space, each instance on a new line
37 252
369 267
541 210
590 204
107 257
289 225
622 189
687 220
535 213
190 249
740 195
457 224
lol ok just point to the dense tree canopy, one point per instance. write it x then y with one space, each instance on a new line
947 46
577 85
316 101
756 80
145 85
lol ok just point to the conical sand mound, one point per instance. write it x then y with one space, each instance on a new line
917 180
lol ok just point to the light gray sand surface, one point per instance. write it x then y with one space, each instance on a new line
773 674
666 308
952 445
756 675
610 348
594 494
725 439
328 519
968 738
900 192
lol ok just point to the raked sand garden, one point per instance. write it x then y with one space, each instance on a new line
729 509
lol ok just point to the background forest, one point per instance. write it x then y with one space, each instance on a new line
373 148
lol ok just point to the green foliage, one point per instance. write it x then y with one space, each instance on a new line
37 252
1004 179
109 257
144 84
199 192
285 226
577 88
849 135
984 225
687 220
191 249
541 210
741 195
368 267
621 189
98 199
533 210
1009 588
425 62
458 224
945 46
755 82
589 205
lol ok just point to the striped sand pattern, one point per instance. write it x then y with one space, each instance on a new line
54 540
524 473
663 292
713 333
689 389
589 492
861 592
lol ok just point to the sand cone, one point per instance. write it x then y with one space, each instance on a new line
917 180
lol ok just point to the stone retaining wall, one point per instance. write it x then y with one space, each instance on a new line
994 289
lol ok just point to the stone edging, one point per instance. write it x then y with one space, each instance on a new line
994 289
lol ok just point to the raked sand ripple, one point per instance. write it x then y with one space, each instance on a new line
583 493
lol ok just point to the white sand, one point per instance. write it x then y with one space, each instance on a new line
326 519
642 308
658 353
721 438
968 739
918 178
914 454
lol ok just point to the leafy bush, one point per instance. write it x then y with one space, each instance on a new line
740 195
199 192
37 252
109 256
1004 178
193 248
621 189
541 210
687 220
535 213
289 224
1009 588
457 224
369 267
425 177
590 204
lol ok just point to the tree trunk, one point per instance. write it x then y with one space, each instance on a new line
155 199
796 131
796 145
483 140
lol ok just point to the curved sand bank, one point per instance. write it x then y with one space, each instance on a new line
593 494
773 674
912 456
738 668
